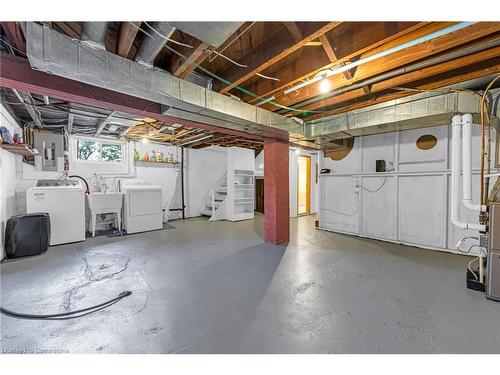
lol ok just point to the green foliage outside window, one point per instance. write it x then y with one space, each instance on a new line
98 151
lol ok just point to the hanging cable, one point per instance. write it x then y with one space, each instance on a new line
164 37
374 191
66 315
232 41
267 77
230 60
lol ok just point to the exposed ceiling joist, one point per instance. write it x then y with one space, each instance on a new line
15 34
271 51
126 37
470 74
294 30
182 68
25 98
409 77
398 59
314 60
332 56
102 123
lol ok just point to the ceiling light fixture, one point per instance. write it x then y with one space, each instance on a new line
145 140
411 43
324 85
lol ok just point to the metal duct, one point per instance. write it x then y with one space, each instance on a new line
417 111
407 69
94 33
213 33
52 52
152 45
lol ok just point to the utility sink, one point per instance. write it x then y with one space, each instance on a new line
100 202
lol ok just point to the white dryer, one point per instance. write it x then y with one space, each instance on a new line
142 206
64 201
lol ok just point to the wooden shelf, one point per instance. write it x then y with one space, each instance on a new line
17 149
157 162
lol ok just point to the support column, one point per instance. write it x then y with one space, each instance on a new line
276 192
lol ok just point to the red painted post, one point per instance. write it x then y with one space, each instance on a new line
276 192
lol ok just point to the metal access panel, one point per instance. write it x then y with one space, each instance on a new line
493 268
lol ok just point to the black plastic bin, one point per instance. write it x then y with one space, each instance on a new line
27 235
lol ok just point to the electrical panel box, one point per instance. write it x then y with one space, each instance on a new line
50 149
493 260
380 166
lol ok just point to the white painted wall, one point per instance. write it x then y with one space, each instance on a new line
204 168
412 206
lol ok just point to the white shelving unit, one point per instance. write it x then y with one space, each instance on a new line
240 203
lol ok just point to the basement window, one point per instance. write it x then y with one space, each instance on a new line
102 152
426 142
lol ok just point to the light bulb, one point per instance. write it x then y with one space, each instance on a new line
324 85
145 140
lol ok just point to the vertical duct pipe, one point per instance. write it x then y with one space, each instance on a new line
455 177
467 166
154 40
94 33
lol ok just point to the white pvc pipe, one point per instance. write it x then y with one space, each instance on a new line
455 177
467 166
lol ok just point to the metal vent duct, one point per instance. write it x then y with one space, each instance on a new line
213 33
52 52
416 111
152 46
94 33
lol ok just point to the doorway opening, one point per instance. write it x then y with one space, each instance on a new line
259 195
303 185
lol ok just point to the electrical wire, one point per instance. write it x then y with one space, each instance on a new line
374 191
229 83
230 60
234 40
164 37
66 315
267 77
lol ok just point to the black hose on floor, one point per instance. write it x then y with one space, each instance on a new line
67 315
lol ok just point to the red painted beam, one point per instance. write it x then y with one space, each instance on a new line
16 73
276 192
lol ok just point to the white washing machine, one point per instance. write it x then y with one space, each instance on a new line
142 206
64 201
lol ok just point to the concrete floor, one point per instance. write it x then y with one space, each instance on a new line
202 287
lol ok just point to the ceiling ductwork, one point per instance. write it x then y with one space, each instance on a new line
416 111
52 52
94 33
55 53
213 33
152 45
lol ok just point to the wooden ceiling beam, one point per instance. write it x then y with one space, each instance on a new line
277 47
126 37
182 68
395 60
69 29
404 79
348 74
314 60
470 74
15 34
294 30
